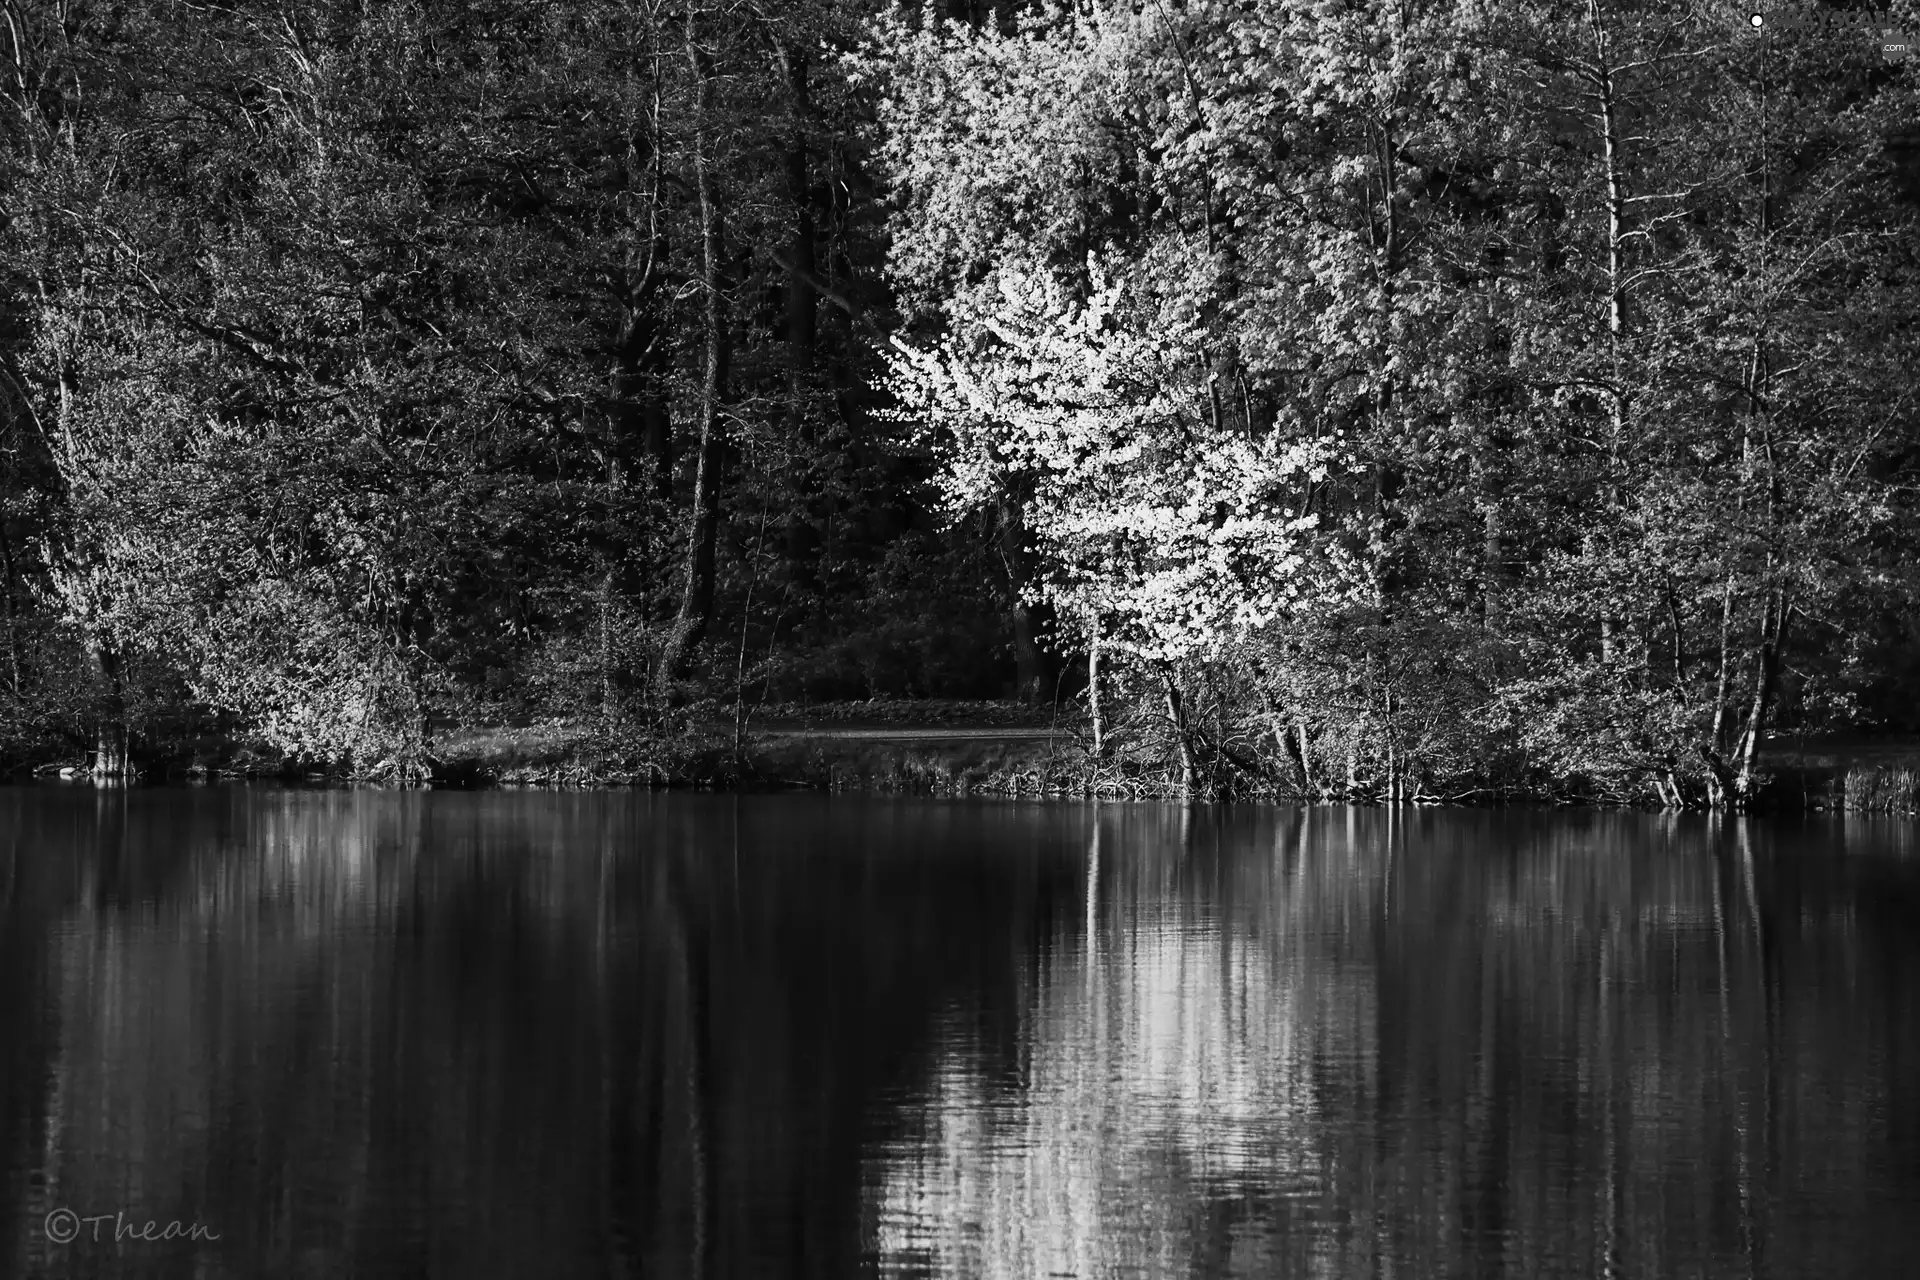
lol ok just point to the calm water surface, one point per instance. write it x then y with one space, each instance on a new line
475 1035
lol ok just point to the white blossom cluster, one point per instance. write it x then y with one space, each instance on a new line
1171 531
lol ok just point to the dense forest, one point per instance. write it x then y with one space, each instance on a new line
1432 398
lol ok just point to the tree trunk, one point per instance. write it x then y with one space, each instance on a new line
802 308
1386 738
1766 680
703 518
1494 558
110 708
801 535
642 425
1721 782
1182 736
606 651
1032 666
1093 689
1283 737
1388 479
1606 102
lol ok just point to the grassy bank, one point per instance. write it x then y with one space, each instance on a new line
1013 751
1882 789
1008 750
989 749
956 749
1851 774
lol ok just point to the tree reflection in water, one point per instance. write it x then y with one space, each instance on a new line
512 1034
1365 1042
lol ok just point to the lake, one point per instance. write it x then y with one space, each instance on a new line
249 1032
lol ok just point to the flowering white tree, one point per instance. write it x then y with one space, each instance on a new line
1596 296
1163 531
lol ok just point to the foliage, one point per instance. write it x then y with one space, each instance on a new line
1422 399
1169 534
344 353
1604 305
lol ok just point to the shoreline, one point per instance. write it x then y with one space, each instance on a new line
850 755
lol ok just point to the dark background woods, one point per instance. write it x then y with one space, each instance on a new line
371 369
463 360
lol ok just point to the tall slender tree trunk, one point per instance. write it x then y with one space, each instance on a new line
1720 777
642 347
1388 478
1776 606
1766 680
1678 628
1308 787
1032 667
703 517
1606 95
801 533
1094 708
1386 738
606 651
802 306
110 709
642 433
642 352
1289 745
640 450
1182 734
